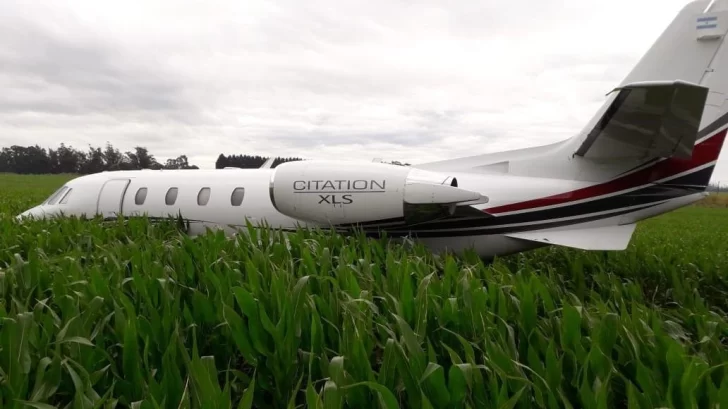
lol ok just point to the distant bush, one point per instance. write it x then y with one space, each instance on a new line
714 200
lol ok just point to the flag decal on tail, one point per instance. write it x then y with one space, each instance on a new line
711 26
707 22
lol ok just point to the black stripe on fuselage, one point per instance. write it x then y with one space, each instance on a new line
495 230
484 230
650 194
691 183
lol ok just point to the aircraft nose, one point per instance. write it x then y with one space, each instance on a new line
35 212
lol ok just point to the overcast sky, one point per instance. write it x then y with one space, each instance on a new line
315 78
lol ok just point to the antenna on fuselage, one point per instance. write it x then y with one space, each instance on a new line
707 9
268 163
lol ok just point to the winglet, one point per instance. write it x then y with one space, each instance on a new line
596 238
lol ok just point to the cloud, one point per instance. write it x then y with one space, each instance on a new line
356 79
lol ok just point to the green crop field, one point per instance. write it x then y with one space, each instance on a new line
135 314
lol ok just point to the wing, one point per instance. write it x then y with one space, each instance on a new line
593 238
648 120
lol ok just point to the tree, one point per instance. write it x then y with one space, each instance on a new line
95 161
179 163
114 159
70 160
247 161
142 159
66 159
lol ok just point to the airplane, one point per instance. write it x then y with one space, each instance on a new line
649 149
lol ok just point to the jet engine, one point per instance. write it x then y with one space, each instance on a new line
335 193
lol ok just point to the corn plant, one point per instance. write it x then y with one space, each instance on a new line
136 314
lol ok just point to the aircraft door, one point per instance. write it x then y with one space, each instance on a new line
110 198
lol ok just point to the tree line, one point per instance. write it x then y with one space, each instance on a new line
66 159
717 187
247 161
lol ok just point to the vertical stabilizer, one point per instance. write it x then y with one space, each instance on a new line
671 108
691 50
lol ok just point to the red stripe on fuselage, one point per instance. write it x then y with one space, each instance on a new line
705 152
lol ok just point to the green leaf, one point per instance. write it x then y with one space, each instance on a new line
246 402
387 400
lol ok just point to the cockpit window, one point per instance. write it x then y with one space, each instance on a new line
65 197
57 194
48 199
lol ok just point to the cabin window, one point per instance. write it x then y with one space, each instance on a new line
141 195
204 196
65 197
237 197
54 197
171 196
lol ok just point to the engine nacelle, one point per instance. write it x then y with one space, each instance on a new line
331 192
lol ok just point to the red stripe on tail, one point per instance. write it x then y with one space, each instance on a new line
705 152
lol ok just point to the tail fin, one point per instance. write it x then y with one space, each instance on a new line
668 121
691 52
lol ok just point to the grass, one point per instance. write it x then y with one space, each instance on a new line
135 314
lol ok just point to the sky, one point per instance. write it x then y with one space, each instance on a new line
354 79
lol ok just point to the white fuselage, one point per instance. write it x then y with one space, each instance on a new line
113 193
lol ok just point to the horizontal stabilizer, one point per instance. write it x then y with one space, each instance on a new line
648 120
596 238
